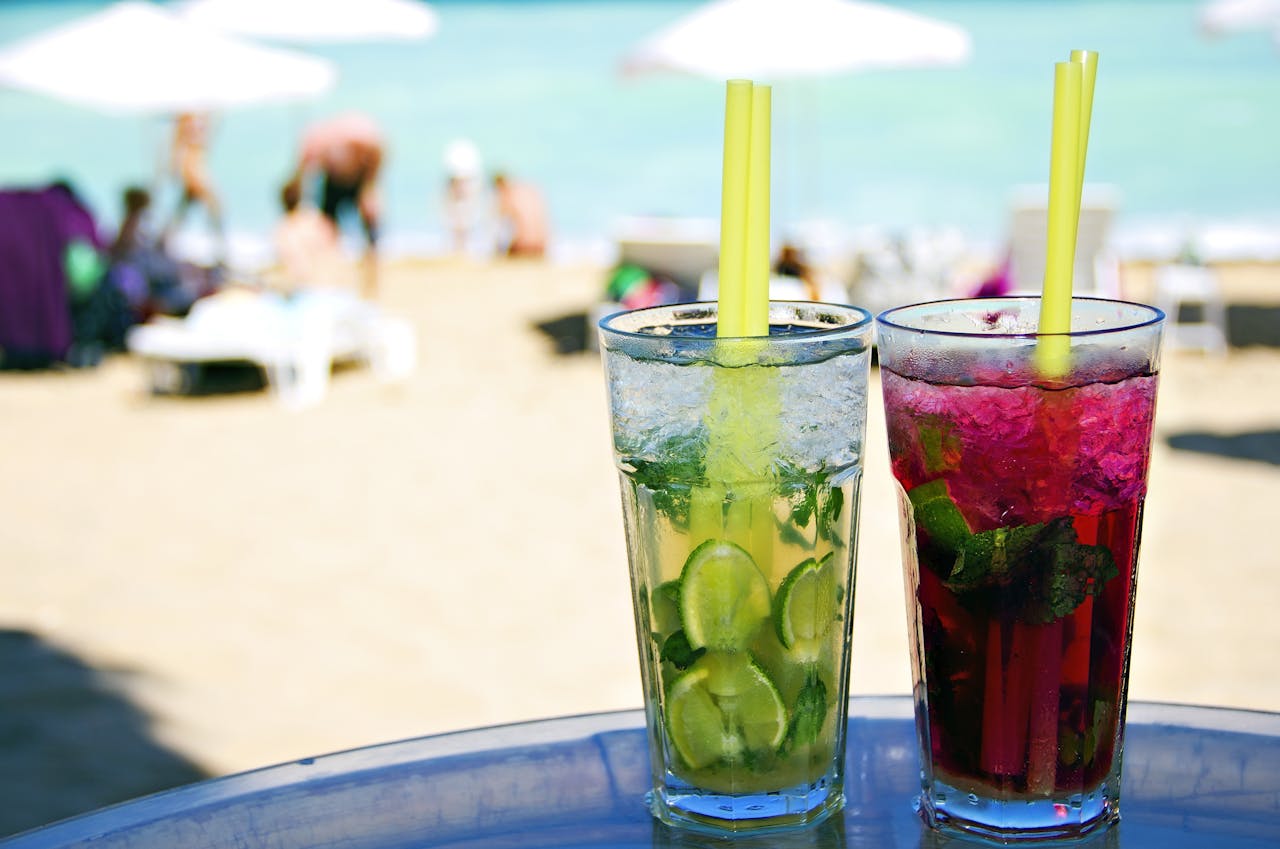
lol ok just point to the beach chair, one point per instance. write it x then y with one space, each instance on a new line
781 288
680 249
1028 228
295 341
893 271
1178 285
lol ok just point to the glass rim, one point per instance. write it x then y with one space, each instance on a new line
866 320
886 318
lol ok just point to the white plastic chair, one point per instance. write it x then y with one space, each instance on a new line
1028 236
296 342
781 288
1195 285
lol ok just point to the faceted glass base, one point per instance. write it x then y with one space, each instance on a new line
718 813
1040 820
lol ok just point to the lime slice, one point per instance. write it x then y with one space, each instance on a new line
746 716
694 722
755 710
938 516
807 602
723 597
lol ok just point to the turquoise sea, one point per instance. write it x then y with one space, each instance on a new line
1187 128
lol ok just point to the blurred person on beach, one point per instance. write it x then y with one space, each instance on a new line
188 162
132 236
306 243
522 215
140 267
346 153
791 262
463 194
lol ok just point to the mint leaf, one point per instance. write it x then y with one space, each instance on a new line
991 557
808 715
832 507
790 534
1001 555
806 507
803 512
678 652
671 479
1037 573
1076 571
810 505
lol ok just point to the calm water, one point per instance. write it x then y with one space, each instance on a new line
1185 127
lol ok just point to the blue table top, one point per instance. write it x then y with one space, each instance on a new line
1193 777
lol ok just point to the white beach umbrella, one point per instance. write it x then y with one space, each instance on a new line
782 39
1221 17
794 42
137 57
316 20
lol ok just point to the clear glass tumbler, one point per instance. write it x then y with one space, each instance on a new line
740 462
1021 482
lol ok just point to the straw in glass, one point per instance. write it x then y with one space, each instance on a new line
1041 645
1072 106
742 411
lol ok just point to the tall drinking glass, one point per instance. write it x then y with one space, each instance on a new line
740 462
1021 508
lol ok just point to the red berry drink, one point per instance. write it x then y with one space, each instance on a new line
1021 502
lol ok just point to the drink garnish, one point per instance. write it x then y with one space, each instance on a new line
671 479
807 604
938 516
677 651
809 713
694 721
1037 573
724 598
725 709
818 502
939 446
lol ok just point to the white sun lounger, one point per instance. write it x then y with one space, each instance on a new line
295 340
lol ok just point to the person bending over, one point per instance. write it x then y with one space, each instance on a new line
346 152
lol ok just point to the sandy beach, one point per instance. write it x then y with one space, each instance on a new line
246 585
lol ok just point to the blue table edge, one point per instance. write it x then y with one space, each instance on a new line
523 733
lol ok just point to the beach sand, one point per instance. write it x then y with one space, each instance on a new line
246 585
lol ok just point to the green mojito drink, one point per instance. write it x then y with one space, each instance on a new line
740 464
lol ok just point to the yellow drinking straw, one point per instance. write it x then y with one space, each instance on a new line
733 208
1088 60
756 274
1066 182
743 407
744 212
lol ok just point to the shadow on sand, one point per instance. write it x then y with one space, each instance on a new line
1262 446
568 333
70 742
1253 324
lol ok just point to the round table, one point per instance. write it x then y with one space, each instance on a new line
1193 777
